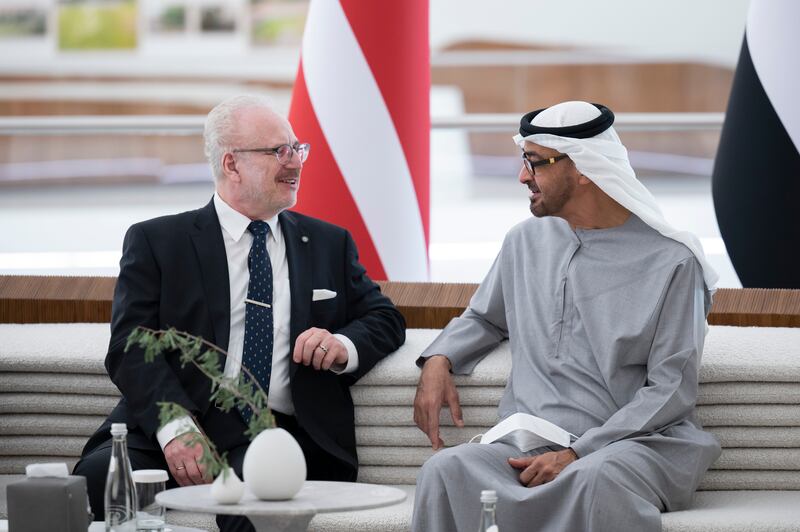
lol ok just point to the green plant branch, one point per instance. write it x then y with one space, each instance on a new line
225 393
219 381
214 347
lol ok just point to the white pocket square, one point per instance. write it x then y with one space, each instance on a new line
321 294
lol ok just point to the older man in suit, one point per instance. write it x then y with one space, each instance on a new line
282 293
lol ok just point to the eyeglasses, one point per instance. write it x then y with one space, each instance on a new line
283 153
529 165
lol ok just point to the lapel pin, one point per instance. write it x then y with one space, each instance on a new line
304 238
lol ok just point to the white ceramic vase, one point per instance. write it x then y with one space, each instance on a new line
274 466
227 488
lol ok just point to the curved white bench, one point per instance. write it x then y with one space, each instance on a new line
54 393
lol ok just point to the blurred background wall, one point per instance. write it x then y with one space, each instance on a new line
67 194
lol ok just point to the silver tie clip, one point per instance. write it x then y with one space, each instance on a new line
259 303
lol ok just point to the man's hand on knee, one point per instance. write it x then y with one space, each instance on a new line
434 389
183 458
542 468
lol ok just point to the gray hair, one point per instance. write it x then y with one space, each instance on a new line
219 127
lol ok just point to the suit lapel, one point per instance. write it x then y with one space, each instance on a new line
298 255
213 261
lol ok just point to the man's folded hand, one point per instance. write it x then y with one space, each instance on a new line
320 349
183 460
542 468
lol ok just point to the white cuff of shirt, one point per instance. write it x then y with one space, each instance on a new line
174 428
352 356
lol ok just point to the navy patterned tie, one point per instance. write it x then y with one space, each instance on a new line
258 334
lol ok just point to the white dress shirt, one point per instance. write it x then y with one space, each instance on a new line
238 241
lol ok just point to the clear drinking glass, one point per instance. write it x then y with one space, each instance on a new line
149 514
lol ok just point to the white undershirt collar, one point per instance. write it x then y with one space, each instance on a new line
235 223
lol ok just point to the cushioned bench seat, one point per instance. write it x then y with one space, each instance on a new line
54 393
712 511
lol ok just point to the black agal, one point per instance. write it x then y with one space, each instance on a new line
579 131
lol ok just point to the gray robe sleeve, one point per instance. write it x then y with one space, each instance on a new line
482 326
670 393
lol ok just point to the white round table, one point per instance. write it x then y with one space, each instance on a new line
288 516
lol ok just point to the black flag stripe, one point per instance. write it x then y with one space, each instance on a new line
756 186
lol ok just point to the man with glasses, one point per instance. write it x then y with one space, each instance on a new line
603 304
282 293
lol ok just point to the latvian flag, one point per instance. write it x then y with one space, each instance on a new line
756 181
361 99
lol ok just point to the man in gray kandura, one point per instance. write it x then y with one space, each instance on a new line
604 306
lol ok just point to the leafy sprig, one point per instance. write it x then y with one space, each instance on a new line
226 393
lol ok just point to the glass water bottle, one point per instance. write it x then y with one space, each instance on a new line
120 496
488 518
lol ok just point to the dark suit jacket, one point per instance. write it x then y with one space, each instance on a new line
174 273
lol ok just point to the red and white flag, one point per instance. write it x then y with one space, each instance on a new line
361 99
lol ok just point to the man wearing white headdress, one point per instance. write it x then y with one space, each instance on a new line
604 305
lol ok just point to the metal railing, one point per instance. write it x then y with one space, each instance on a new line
193 124
622 122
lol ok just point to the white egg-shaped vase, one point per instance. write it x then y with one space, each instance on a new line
274 466
227 488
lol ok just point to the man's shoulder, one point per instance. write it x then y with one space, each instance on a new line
169 224
536 229
314 224
668 249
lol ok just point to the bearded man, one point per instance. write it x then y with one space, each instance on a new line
604 305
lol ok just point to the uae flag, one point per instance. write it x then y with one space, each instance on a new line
756 180
361 99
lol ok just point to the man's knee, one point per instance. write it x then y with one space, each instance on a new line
234 523
94 466
593 477
452 463
441 462
603 477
